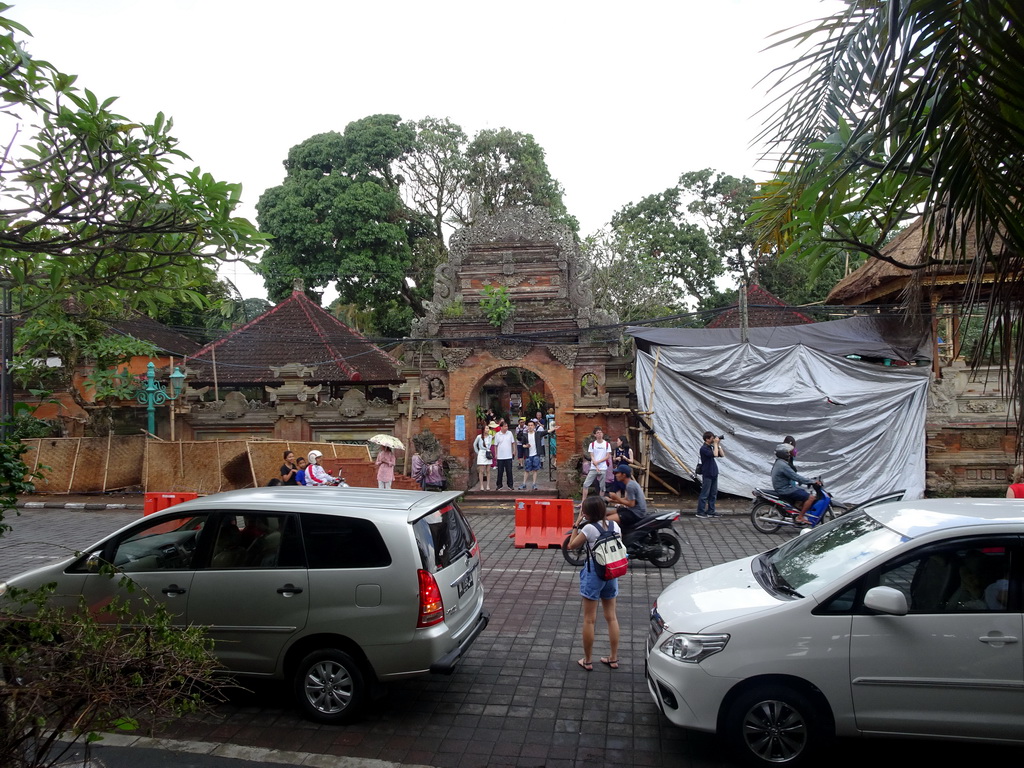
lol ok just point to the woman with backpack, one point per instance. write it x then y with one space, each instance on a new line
594 588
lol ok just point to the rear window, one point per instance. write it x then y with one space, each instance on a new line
333 541
443 536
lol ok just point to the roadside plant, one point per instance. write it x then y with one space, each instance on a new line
67 674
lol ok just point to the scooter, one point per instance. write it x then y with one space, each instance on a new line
648 540
770 512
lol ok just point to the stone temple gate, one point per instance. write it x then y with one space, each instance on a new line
568 348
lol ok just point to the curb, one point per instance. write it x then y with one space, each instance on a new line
86 505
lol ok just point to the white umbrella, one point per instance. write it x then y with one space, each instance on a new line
388 441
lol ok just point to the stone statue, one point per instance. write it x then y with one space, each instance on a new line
589 385
436 389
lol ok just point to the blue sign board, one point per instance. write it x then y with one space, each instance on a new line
460 427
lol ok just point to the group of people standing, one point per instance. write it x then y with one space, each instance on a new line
497 447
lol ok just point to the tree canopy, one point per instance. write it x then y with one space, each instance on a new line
94 205
896 109
369 208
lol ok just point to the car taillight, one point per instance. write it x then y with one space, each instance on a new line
431 605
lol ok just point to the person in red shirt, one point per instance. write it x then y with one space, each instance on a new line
1016 489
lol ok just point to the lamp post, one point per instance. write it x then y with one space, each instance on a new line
153 393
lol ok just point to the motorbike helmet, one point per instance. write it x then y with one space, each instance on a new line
314 455
782 450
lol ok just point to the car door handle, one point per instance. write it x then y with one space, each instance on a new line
173 590
998 639
289 589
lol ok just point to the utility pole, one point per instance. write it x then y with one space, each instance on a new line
744 315
6 356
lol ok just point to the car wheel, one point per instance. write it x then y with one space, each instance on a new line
671 550
329 686
766 517
574 557
773 725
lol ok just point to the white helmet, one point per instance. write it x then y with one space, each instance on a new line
313 456
782 450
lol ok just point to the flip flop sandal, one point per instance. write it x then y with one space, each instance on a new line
613 663
587 665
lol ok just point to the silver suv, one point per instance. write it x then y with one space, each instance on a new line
328 588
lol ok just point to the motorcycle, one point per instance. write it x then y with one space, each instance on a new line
770 512
648 540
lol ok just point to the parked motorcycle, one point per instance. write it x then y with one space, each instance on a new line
770 512
649 540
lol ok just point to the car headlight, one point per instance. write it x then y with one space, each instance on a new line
692 648
3 588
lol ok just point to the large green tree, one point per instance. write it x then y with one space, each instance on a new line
339 217
658 232
508 168
634 288
369 209
899 108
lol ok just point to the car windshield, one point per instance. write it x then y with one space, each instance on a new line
815 559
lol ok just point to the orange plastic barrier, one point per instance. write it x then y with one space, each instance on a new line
154 502
542 522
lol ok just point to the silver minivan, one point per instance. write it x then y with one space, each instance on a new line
328 588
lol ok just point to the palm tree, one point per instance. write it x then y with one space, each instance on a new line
898 108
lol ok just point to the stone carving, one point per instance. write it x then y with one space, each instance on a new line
564 353
427 446
235 405
454 357
508 351
588 385
436 388
981 406
981 440
353 404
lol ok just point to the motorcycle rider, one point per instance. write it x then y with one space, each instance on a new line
316 475
784 480
631 504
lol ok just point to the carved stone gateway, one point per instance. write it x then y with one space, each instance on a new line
538 265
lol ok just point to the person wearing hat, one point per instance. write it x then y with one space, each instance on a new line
631 503
785 479
316 475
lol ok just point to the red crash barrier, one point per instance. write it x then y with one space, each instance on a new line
154 502
542 522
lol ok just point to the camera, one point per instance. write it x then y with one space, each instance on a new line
721 437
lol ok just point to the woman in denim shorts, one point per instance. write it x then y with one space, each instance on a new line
593 588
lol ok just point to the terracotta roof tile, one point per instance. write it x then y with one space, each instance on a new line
295 331
764 310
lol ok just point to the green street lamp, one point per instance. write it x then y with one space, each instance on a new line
153 393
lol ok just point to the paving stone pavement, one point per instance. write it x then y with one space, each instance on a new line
517 699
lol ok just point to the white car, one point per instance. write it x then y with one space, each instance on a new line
899 619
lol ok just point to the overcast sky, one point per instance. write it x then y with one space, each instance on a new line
622 97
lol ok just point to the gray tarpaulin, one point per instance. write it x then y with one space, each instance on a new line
859 425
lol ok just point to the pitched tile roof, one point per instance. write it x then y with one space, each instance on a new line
764 310
165 339
295 331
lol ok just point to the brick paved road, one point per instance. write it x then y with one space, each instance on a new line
518 699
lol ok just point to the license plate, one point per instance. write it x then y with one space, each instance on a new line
464 584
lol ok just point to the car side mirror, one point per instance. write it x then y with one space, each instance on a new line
886 600
94 562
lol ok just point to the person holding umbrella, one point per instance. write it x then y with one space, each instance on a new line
386 459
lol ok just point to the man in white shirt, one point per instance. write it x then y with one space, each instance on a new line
532 440
504 446
599 453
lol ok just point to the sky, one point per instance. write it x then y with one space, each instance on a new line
623 98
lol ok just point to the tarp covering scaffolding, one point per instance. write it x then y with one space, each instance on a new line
859 425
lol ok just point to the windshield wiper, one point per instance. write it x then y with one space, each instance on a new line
778 582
